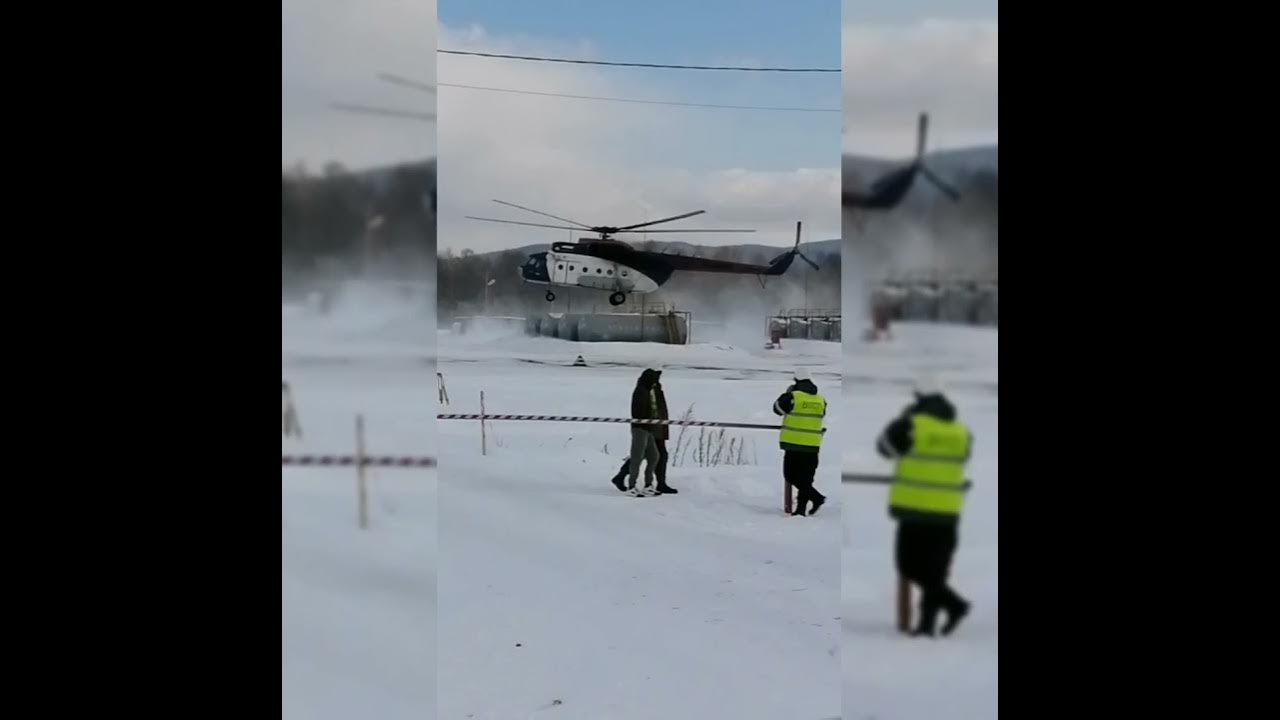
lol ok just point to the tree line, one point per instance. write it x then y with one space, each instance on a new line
337 223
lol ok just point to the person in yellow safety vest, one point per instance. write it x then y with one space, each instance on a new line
931 448
802 410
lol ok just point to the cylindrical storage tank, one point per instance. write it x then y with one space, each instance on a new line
779 326
986 312
653 328
567 327
532 325
798 329
601 328
921 305
882 297
819 330
834 335
956 305
547 328
896 298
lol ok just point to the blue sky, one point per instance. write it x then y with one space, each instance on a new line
801 33
899 11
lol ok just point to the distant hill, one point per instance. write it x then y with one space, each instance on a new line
957 167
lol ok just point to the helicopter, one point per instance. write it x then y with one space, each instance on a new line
604 263
889 190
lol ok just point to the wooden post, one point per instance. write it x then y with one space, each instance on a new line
904 605
360 474
483 442
786 496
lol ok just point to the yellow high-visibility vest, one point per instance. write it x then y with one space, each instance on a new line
802 427
930 478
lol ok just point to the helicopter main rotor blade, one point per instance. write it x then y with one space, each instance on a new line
397 80
938 183
582 226
684 231
370 110
517 222
655 222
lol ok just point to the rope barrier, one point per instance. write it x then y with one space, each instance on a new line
584 418
350 460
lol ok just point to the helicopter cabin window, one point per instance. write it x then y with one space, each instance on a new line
610 272
598 271
560 266
571 267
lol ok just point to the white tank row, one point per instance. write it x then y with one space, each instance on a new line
959 304
586 327
802 328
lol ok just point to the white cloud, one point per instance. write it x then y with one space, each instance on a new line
598 163
948 68
332 51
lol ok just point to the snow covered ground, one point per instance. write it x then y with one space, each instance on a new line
358 608
554 596
888 676
561 598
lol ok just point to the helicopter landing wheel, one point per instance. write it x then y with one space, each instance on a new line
551 297
617 299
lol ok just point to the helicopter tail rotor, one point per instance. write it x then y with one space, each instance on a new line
922 133
796 249
940 184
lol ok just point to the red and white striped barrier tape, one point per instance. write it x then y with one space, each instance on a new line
350 460
584 418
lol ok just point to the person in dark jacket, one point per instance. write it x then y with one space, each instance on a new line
661 433
931 448
802 410
644 446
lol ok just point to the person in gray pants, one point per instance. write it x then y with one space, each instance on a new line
644 444
661 433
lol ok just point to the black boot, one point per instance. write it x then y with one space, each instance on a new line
955 613
929 608
666 489
817 503
620 480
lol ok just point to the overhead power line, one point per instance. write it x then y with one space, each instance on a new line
643 102
642 65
